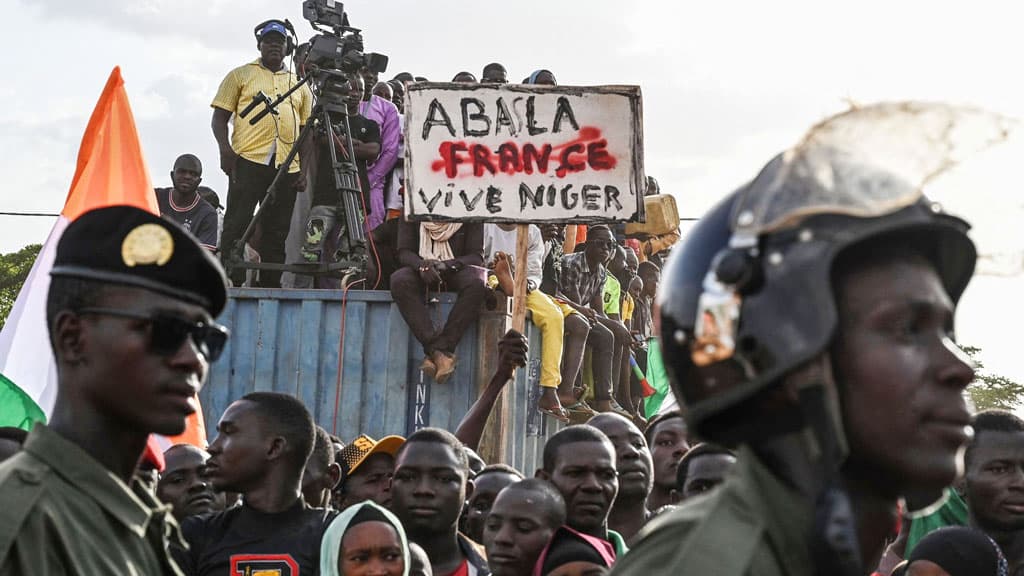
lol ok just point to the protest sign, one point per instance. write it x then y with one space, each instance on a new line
515 153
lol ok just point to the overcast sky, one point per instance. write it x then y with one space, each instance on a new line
726 85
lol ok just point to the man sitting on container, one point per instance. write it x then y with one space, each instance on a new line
548 314
183 204
582 283
440 256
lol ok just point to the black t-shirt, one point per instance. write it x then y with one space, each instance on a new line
198 217
241 540
324 192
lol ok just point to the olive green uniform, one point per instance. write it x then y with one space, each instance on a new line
753 525
62 512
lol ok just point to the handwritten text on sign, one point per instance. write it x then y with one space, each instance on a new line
523 153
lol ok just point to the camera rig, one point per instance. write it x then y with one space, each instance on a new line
332 56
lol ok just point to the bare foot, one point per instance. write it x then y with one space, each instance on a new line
503 272
549 400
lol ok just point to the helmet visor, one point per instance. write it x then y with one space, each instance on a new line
866 162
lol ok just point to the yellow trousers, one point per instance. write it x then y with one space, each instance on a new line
549 315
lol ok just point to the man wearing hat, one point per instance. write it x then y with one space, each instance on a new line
254 152
366 469
129 312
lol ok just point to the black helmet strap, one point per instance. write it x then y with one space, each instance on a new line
834 545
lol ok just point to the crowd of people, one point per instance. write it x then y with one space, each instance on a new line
817 423
591 296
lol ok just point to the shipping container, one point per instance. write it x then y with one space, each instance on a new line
352 360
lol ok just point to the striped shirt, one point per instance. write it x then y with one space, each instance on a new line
270 140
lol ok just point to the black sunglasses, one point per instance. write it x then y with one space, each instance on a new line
168 332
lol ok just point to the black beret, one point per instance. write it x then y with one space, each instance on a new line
130 246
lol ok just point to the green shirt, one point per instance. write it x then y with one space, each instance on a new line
612 295
62 512
753 525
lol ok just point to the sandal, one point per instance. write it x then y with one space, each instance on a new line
616 408
580 407
560 415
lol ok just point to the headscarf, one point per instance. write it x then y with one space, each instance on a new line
961 551
568 545
434 238
330 544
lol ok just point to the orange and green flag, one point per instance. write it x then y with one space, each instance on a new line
111 171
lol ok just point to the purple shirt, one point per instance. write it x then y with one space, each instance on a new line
385 114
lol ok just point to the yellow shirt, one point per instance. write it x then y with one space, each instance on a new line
272 137
627 307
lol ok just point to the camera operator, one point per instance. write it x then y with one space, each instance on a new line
253 154
325 217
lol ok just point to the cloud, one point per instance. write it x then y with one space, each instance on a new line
182 19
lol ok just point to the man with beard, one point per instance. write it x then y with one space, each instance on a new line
185 485
580 462
183 204
666 436
430 485
262 445
994 482
520 524
129 312
634 466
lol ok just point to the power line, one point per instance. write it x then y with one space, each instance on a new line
43 214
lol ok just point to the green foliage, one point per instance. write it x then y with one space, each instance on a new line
14 268
991 390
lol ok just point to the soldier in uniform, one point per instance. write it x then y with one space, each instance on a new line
129 311
808 319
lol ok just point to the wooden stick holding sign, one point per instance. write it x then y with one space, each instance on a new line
519 297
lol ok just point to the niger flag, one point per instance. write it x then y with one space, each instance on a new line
111 171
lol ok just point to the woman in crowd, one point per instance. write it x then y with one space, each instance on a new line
364 539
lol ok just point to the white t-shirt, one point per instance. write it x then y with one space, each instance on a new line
498 240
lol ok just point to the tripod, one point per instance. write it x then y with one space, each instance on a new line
346 182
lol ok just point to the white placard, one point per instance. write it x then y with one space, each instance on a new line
516 153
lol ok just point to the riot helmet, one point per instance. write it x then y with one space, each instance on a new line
747 297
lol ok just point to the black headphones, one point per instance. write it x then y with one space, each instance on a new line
291 40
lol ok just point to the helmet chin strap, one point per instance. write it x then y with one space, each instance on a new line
834 545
